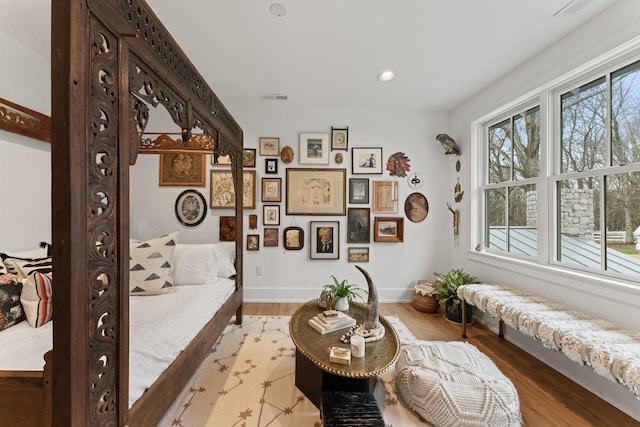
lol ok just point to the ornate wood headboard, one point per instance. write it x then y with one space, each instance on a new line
111 61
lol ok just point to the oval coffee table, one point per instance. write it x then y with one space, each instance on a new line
315 373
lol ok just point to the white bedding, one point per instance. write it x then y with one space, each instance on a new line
160 328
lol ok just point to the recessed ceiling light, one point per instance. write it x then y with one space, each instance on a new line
278 9
385 76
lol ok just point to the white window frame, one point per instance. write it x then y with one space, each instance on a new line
548 98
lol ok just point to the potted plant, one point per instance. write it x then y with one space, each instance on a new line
343 293
446 287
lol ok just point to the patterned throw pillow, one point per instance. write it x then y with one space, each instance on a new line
10 308
25 266
3 269
150 265
37 299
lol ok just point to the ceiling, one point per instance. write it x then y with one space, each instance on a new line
328 53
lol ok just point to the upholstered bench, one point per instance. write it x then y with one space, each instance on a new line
609 350
454 384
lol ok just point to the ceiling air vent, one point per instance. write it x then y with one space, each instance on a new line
274 97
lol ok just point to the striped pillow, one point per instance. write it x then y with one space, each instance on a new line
37 299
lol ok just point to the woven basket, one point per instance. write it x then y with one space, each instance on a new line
424 303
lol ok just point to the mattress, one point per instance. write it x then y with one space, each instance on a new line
161 326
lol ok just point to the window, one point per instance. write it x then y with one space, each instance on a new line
510 194
594 176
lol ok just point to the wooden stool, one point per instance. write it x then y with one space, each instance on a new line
350 409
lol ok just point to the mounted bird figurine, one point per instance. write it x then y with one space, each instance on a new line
448 143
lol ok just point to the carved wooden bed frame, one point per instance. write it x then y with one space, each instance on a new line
111 59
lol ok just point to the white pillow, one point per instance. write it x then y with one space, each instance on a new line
150 265
226 258
194 264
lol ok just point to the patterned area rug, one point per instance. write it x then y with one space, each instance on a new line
248 381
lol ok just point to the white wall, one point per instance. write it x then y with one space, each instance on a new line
291 275
25 162
600 298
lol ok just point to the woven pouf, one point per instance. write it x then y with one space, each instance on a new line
454 384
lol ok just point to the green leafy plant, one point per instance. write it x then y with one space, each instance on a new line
343 289
446 286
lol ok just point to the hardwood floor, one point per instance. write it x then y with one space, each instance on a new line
547 398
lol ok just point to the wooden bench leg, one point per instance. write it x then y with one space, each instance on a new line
464 319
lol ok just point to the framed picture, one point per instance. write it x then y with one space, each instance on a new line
191 208
314 148
324 242
293 238
339 138
416 207
359 223
271 189
366 160
249 158
269 146
316 191
271 166
270 215
253 221
359 191
253 242
358 254
227 228
270 237
182 169
385 196
388 229
223 194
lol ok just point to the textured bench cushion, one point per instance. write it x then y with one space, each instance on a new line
454 384
611 351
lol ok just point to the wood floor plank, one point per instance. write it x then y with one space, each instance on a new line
547 398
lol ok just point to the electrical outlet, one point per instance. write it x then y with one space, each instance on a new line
259 270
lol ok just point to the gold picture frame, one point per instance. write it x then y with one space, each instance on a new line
385 196
269 146
315 191
223 194
182 169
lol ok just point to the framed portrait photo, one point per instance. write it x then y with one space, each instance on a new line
249 158
223 193
269 146
316 191
339 138
314 148
385 196
293 238
270 215
358 254
359 191
271 166
366 160
359 223
271 237
324 240
182 169
416 207
271 189
191 208
388 229
253 242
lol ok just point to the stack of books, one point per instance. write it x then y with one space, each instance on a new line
330 321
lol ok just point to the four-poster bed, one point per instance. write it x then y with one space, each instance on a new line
111 60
